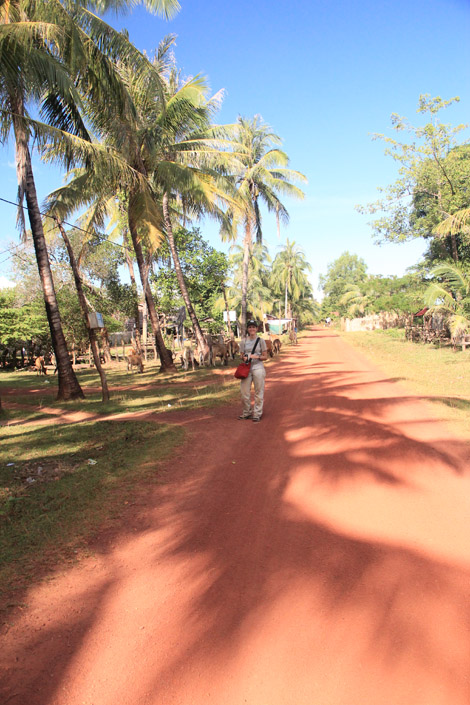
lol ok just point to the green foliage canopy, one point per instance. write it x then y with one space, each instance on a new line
433 178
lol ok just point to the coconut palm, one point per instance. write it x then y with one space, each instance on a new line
27 70
289 274
130 136
259 294
54 54
450 295
357 300
187 163
261 176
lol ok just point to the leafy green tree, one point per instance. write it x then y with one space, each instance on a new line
345 271
433 178
204 270
398 294
22 323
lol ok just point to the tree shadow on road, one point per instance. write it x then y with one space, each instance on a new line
250 524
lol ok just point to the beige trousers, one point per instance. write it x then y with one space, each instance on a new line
257 376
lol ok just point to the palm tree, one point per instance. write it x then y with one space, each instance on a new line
185 171
357 300
289 274
259 294
261 176
450 295
85 310
129 135
46 51
27 68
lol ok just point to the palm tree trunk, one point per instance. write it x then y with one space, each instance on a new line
166 360
246 262
227 309
201 343
83 305
130 267
68 386
453 244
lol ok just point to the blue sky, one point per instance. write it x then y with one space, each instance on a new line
324 76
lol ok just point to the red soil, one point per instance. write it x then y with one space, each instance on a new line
320 557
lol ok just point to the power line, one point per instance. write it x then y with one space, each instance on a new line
12 247
64 222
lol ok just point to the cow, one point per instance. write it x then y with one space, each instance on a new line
187 356
205 355
232 347
134 360
276 346
269 347
293 337
40 366
219 350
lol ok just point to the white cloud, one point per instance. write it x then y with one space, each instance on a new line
5 283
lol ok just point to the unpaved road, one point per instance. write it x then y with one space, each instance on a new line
321 557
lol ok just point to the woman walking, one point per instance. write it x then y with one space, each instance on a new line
253 349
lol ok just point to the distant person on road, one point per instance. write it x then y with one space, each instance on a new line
327 321
253 349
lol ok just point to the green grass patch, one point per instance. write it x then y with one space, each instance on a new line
440 374
150 391
58 483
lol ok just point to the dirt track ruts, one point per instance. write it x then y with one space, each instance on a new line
318 558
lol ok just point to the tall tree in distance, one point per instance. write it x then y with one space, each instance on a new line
289 273
345 271
262 176
184 170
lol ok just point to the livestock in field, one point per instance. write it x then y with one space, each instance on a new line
276 346
188 356
134 360
40 366
205 355
232 347
293 337
269 347
219 350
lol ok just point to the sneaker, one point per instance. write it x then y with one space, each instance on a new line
256 419
243 416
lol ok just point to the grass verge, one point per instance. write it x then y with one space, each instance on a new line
149 391
58 483
441 375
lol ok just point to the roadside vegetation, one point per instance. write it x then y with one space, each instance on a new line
67 468
59 483
440 375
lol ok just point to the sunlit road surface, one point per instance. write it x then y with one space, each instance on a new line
320 557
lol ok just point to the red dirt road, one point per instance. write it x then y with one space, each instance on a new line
321 557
